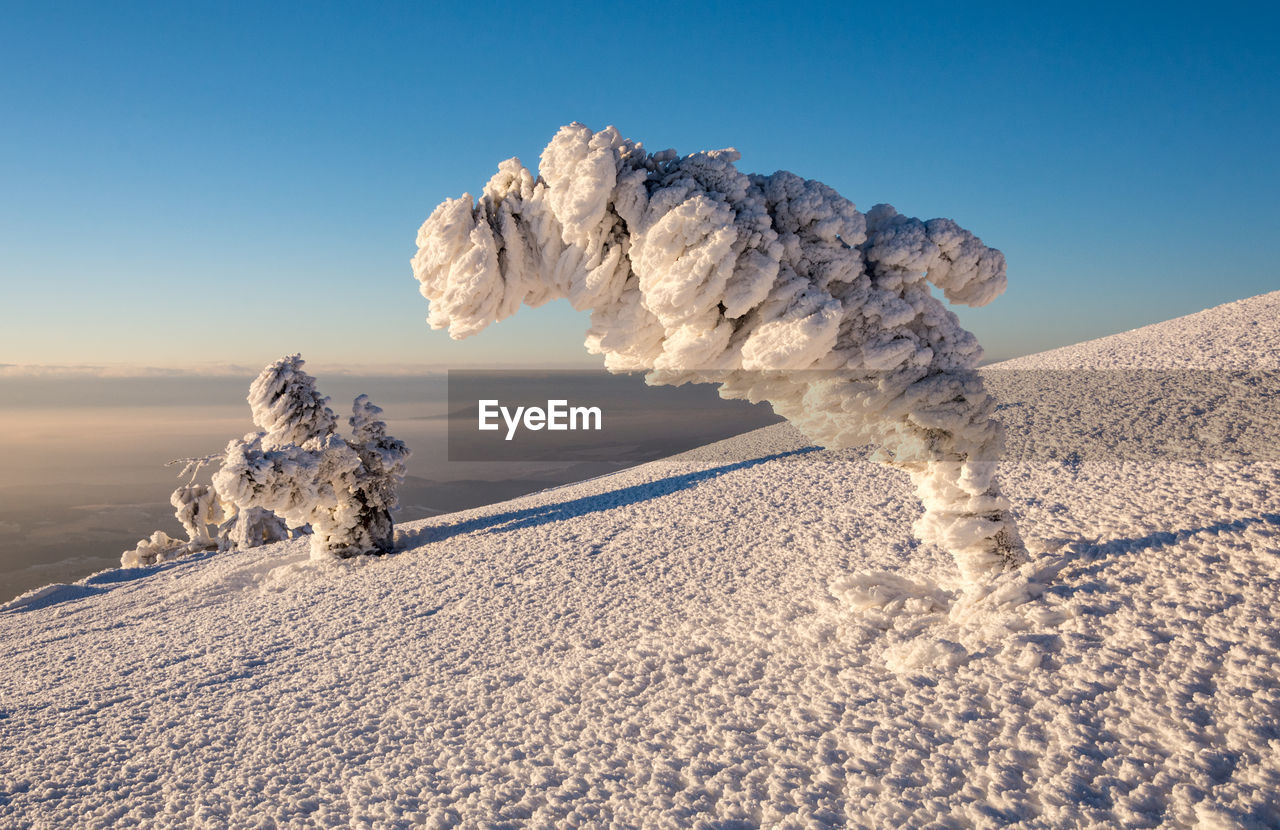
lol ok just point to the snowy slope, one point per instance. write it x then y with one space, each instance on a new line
742 636
1239 335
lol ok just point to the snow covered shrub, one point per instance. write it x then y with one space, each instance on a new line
300 469
161 547
251 528
775 287
384 459
196 506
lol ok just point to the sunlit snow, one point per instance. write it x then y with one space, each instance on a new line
746 635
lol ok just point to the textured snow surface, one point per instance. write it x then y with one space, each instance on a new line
1240 335
746 635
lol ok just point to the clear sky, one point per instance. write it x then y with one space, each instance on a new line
184 184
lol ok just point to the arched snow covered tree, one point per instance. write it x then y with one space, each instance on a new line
197 507
775 287
300 469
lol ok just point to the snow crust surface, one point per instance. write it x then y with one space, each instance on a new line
746 635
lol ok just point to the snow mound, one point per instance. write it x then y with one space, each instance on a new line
681 644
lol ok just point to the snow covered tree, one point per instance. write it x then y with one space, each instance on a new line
775 287
299 468
287 407
384 460
197 507
251 527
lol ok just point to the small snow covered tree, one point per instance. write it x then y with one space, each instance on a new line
160 547
197 507
299 468
775 287
384 460
251 528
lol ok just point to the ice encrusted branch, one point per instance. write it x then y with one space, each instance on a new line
775 287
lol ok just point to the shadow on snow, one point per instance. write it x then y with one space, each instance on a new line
548 513
61 592
1165 538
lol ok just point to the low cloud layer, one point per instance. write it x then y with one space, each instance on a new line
71 371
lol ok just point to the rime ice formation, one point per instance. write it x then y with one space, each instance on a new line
383 458
299 468
296 470
775 287
161 547
251 528
197 507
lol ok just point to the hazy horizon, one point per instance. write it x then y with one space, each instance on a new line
83 472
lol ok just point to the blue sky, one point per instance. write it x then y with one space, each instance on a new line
188 184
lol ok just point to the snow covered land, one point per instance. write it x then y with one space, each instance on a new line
746 635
